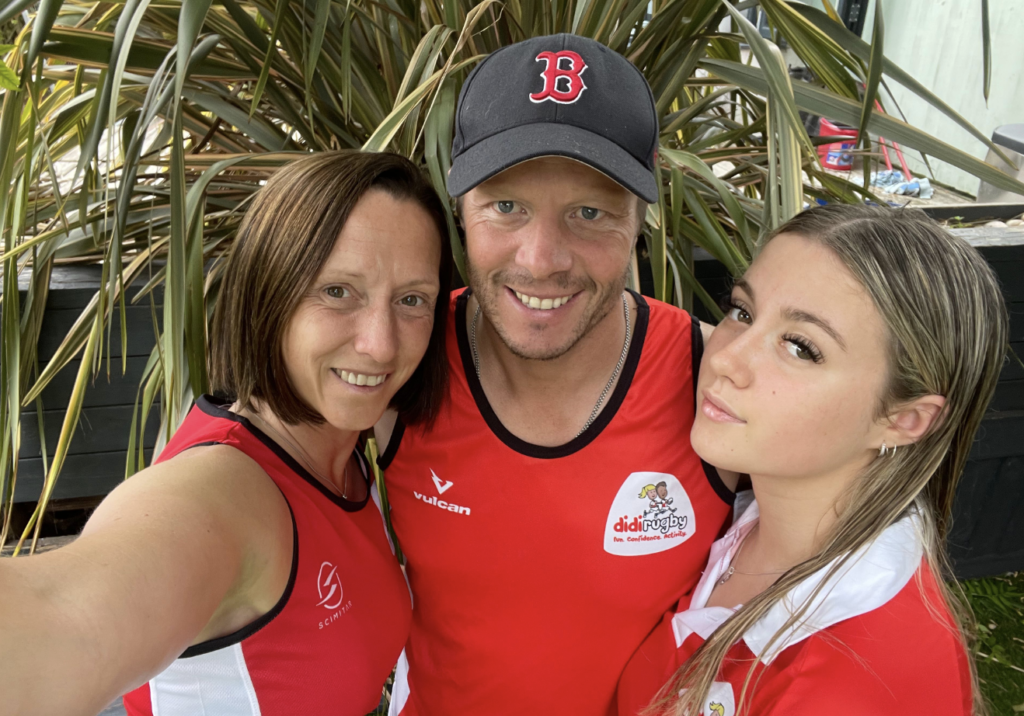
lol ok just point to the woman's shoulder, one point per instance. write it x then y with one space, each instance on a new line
905 654
916 620
207 484
219 450
219 462
206 473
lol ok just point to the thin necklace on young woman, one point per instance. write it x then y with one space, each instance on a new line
305 459
732 568
615 373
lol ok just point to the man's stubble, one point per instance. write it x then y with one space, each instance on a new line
487 295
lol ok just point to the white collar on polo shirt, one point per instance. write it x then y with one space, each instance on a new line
874 575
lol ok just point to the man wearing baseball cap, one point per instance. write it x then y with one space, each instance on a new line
534 570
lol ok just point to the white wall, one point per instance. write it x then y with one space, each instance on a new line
939 43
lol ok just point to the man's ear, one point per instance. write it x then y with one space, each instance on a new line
913 420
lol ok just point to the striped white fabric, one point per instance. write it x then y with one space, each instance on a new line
213 684
400 691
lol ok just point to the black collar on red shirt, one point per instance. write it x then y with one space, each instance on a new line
218 408
600 423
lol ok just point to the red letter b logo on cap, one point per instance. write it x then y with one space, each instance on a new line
561 85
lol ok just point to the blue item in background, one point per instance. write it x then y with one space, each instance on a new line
887 178
894 182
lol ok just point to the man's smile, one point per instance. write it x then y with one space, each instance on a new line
544 304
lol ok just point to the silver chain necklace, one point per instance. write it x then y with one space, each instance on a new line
732 566
307 462
604 393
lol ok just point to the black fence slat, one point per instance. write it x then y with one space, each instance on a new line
1016 311
1009 396
1008 265
100 429
987 536
1001 435
1014 366
141 336
83 476
116 389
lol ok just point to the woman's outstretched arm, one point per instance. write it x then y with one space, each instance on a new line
184 551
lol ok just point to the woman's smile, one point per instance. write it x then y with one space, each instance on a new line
360 380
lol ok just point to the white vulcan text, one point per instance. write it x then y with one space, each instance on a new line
443 504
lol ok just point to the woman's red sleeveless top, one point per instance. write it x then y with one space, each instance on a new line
331 640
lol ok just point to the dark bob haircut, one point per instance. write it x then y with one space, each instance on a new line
283 242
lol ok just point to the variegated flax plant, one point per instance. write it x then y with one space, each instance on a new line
134 132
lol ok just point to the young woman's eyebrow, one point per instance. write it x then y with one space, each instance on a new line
795 314
741 283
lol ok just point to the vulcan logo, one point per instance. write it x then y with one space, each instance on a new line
442 486
443 504
651 513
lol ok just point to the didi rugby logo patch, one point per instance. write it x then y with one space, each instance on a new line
651 513
721 701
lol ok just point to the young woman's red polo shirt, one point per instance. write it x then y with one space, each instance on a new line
879 641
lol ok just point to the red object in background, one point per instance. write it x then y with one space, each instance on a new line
899 154
838 155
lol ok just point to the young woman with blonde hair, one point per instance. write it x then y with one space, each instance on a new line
848 379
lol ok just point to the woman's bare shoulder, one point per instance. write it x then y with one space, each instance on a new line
214 485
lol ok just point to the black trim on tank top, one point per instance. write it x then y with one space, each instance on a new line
600 423
223 642
697 353
217 408
384 459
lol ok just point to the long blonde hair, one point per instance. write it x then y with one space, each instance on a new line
947 335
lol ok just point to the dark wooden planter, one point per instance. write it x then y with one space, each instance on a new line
988 532
988 528
97 456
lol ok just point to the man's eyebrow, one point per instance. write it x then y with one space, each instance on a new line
795 314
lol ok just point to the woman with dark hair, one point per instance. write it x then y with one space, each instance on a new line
848 379
246 571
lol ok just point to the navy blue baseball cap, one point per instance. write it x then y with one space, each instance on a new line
560 95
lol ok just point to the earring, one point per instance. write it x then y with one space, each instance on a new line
894 450
881 451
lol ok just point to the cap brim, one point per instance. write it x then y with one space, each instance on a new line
501 151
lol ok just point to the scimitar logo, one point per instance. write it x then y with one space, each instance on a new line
328 584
